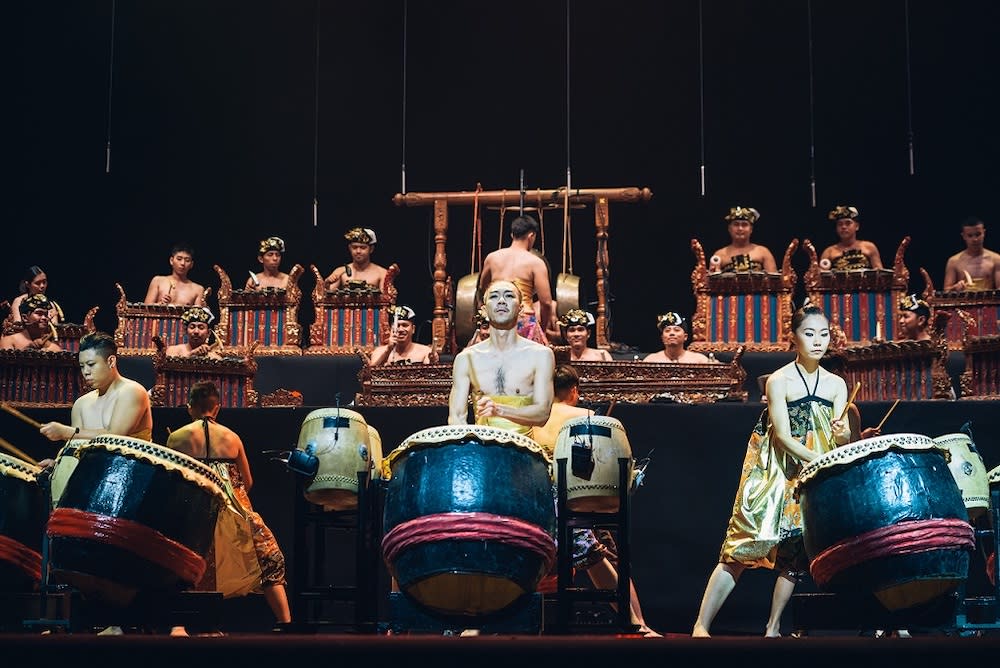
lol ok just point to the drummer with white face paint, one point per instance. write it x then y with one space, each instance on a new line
507 377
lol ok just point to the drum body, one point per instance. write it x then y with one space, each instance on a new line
340 440
134 516
884 515
23 511
970 472
63 467
592 446
375 446
469 519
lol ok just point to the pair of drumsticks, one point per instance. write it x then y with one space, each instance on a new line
854 393
8 446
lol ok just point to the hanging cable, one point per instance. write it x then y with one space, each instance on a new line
316 125
909 90
701 95
402 176
812 128
567 248
111 81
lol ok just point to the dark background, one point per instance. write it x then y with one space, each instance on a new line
216 140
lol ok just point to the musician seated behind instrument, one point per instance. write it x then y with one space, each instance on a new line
508 377
576 326
269 255
482 322
360 271
976 267
741 255
914 319
401 348
34 282
674 331
529 272
849 252
176 288
37 333
590 551
197 324
222 449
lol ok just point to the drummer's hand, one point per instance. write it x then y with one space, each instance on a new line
841 431
56 431
486 407
200 350
870 432
46 463
958 287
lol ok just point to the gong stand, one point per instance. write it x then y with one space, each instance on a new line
441 201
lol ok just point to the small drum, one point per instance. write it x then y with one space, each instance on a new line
592 446
134 516
339 438
63 467
469 520
885 515
23 511
970 472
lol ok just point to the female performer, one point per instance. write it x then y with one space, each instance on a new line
801 422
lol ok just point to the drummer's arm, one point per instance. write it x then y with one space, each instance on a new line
243 464
769 262
952 279
874 257
129 410
57 431
777 410
461 385
547 315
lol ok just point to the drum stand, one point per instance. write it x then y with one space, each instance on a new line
566 594
311 587
58 595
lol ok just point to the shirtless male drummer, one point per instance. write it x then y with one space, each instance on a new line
508 376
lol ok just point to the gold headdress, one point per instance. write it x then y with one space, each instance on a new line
361 235
842 211
576 317
912 302
34 302
400 312
480 317
197 314
271 244
670 318
746 213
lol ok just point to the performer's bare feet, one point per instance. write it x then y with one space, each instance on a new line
700 631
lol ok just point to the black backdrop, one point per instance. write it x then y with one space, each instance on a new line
215 134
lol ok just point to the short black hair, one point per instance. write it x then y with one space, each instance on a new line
522 226
972 221
203 396
102 342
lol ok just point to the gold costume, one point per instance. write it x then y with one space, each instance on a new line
850 260
527 321
765 529
504 423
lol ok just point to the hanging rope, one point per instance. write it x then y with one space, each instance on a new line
541 217
111 81
812 131
701 97
316 123
402 176
503 213
909 90
567 244
477 233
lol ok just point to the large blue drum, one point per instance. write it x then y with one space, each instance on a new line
469 518
884 515
24 508
133 517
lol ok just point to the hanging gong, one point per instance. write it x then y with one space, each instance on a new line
568 293
465 308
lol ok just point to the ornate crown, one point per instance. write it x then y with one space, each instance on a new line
198 314
843 212
361 235
271 244
743 213
576 316
670 318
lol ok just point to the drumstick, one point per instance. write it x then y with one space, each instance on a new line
14 451
888 413
854 393
610 407
20 416
968 277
